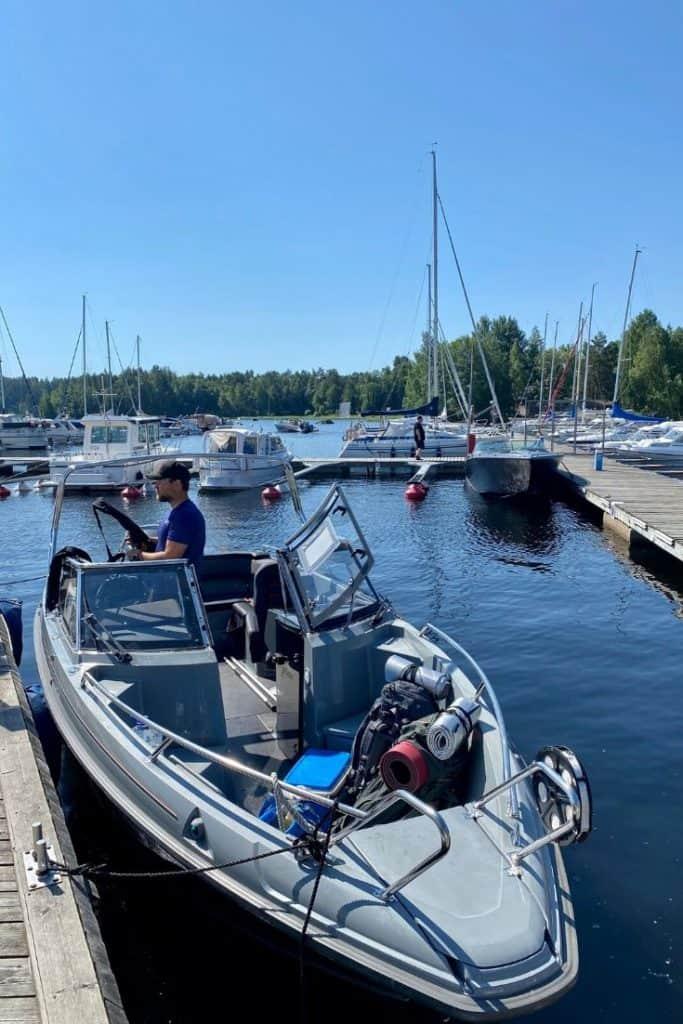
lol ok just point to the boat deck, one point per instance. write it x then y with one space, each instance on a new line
53 965
633 500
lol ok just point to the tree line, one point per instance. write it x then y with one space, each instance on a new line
651 379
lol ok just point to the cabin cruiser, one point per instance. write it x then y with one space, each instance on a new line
394 439
178 427
109 438
21 433
272 722
502 467
238 459
64 432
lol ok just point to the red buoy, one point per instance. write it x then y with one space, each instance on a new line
131 493
416 492
4 492
271 493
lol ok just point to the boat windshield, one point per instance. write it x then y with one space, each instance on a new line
328 562
139 607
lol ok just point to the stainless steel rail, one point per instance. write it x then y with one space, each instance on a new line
104 696
484 685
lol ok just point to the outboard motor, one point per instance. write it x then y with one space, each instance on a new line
436 683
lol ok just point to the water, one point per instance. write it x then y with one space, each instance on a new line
585 648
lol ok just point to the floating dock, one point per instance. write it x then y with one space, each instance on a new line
633 500
53 965
406 468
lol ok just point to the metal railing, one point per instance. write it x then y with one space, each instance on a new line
362 818
484 686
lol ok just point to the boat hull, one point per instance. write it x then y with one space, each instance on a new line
507 474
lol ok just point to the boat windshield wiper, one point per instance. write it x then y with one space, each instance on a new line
110 643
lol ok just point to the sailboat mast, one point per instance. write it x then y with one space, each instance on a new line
623 331
137 346
430 335
2 389
577 350
435 264
552 365
540 389
85 383
110 381
588 349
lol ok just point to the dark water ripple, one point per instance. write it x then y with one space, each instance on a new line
585 647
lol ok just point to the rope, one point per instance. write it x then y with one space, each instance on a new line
28 579
319 853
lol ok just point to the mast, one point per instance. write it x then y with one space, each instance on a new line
435 264
85 384
2 389
430 335
29 389
623 331
110 381
540 389
137 346
577 349
552 365
588 348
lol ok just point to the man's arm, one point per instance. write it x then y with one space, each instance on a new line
173 549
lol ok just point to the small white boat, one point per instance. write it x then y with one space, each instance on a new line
395 440
238 459
109 437
21 433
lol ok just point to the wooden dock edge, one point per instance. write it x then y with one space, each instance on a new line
74 982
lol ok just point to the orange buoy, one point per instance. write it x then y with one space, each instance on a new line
416 492
4 492
131 493
271 493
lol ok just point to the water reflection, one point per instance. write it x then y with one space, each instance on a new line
526 526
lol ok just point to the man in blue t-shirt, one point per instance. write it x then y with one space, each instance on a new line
182 533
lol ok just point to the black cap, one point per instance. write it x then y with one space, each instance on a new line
169 469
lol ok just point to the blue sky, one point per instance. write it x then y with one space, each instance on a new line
247 186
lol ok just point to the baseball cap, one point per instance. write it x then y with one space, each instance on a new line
169 469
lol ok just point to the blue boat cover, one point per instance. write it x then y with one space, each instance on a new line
10 609
625 414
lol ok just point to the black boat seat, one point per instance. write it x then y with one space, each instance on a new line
267 594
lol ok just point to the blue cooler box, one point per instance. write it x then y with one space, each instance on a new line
316 769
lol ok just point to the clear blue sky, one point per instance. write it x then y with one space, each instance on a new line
248 185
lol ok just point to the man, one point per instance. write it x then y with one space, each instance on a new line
182 534
419 436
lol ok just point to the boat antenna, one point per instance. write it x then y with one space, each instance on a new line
85 382
475 329
623 330
588 348
540 389
34 404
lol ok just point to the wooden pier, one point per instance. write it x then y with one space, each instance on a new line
53 965
633 500
370 468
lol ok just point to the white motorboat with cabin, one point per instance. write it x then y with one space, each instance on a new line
21 433
237 459
109 437
339 772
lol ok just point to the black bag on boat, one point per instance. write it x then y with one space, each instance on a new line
398 704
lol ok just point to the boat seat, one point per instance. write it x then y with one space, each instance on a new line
267 594
340 735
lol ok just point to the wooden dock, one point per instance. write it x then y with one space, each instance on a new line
633 500
53 965
370 468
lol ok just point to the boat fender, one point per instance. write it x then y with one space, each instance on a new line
471 443
404 766
4 492
416 492
131 493
271 493
10 609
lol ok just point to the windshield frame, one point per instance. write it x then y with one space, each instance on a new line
85 635
361 558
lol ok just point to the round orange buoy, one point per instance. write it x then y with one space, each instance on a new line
416 492
131 493
4 492
271 493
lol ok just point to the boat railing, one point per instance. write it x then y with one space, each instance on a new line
483 687
280 787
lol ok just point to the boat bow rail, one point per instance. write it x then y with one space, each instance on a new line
283 791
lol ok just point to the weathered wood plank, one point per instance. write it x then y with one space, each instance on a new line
67 988
13 939
20 1010
16 978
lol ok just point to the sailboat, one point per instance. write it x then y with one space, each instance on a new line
18 433
616 411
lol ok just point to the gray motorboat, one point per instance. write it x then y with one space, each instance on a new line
500 467
278 705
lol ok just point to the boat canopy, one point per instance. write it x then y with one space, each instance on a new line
430 409
625 414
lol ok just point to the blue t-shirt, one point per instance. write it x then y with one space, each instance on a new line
185 525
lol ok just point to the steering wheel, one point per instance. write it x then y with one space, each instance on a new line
138 537
121 590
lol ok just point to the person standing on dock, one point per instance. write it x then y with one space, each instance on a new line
419 436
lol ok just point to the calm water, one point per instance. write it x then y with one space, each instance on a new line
585 648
